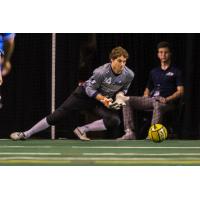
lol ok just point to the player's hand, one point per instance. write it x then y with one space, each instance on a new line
107 102
119 101
162 100
117 104
6 68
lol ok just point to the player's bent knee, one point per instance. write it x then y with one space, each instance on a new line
50 120
112 122
56 117
53 119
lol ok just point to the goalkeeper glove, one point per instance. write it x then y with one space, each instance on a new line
106 102
119 101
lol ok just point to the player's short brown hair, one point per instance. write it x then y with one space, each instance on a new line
163 44
117 52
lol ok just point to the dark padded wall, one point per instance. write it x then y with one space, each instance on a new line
27 91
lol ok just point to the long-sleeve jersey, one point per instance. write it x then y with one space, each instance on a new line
105 82
3 38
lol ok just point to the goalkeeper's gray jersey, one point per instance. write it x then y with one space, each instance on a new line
105 82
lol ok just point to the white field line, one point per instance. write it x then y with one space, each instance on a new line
8 146
24 153
141 154
129 147
5 139
92 158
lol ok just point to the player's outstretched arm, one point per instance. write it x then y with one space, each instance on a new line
8 48
1 79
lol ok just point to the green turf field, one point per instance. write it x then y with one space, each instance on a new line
99 152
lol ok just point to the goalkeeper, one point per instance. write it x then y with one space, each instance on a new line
96 95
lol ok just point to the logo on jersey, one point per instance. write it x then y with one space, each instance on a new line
93 82
108 80
170 74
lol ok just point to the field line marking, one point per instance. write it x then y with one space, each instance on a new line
141 154
104 162
28 153
92 158
10 146
4 139
130 147
149 162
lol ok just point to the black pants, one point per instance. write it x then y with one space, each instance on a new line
78 101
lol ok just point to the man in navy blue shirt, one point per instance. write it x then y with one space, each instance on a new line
163 89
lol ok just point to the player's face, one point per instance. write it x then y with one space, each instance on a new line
164 54
118 64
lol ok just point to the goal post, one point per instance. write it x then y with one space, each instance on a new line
53 80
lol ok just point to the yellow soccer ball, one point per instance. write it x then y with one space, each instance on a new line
157 133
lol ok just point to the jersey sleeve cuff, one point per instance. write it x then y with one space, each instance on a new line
95 94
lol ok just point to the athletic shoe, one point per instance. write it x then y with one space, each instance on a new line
129 135
17 136
81 135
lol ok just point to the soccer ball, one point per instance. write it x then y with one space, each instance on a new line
157 133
